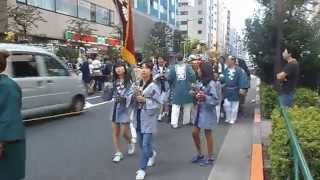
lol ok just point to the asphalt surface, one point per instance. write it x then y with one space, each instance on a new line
80 148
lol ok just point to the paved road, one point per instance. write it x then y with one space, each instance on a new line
80 148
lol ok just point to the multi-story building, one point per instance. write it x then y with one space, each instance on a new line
99 14
223 26
233 45
147 13
198 20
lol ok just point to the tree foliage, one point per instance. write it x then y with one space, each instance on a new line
301 34
24 19
178 40
160 41
80 26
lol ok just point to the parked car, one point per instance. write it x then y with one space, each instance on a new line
47 85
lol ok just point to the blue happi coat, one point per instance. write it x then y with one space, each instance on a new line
205 117
180 77
233 80
146 120
121 110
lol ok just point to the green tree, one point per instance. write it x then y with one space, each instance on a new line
80 26
298 33
24 19
159 42
178 40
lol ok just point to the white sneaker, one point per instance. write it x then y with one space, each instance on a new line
232 122
117 157
140 175
131 148
134 140
152 160
174 126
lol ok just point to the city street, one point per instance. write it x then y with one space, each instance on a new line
80 148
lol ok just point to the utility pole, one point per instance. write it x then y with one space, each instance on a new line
279 18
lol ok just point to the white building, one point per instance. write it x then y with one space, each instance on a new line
234 42
223 27
198 20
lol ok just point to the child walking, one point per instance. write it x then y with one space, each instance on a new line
205 116
147 102
121 118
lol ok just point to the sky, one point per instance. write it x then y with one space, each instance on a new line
240 11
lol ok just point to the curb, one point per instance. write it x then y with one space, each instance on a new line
257 152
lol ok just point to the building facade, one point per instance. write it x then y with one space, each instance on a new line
147 13
198 20
99 14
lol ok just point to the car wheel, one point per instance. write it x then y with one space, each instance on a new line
78 104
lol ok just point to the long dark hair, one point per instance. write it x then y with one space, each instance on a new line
148 65
127 77
206 73
157 62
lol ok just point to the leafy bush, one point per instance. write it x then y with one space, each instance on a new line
306 97
306 123
268 100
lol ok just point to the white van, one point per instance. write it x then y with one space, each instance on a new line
47 85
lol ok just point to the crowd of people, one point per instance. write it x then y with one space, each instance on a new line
152 91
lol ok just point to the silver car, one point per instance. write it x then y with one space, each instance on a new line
46 84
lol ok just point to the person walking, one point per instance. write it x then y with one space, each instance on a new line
160 71
207 98
86 75
180 78
147 102
12 131
234 81
121 117
288 79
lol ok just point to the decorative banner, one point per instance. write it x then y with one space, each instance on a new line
72 36
125 11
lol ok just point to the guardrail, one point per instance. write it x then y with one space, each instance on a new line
299 161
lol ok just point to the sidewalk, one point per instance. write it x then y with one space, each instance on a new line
234 159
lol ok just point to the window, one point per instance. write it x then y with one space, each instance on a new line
200 32
93 12
183 22
68 7
102 15
84 10
24 66
111 16
183 4
199 12
45 4
53 67
154 4
172 15
200 2
22 1
183 12
199 21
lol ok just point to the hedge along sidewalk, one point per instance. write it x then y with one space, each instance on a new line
304 98
306 124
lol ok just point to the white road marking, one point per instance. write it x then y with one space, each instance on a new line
94 97
89 105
